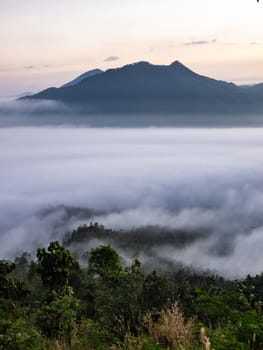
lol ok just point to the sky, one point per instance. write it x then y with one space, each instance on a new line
47 43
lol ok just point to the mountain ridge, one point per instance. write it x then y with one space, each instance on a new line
145 87
83 76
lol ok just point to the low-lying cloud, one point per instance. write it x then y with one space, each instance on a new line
15 106
207 180
33 112
199 42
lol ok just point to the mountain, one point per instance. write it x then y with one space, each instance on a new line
25 94
257 88
144 87
83 76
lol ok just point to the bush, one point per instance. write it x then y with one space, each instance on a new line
20 335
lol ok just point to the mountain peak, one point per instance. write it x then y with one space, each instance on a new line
180 67
177 63
139 64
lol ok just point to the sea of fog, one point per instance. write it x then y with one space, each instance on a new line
23 113
208 179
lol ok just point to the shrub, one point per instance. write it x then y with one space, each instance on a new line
171 329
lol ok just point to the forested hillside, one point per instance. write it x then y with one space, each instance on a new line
53 302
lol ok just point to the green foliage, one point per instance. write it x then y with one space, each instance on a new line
54 304
158 292
19 335
104 261
56 265
57 319
226 338
142 343
248 328
6 267
11 288
5 282
117 297
92 336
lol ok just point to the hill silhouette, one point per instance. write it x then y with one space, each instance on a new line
144 87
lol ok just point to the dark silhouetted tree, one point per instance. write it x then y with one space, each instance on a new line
56 265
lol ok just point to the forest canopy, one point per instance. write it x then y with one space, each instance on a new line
54 302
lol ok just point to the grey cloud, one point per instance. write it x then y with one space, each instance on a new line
30 67
111 58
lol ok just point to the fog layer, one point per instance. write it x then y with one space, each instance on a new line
194 179
14 113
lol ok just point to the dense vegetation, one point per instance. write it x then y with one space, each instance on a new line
131 243
52 302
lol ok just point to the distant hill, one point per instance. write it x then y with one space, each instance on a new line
144 87
25 94
258 88
83 76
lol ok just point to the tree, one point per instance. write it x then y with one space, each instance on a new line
56 265
58 319
5 282
158 292
104 261
10 288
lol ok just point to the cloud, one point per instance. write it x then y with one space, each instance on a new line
15 110
111 58
200 180
30 67
255 43
199 42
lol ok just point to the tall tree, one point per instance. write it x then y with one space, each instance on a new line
56 265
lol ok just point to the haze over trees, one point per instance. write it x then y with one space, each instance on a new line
52 302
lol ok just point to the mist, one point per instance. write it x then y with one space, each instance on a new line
22 112
200 180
